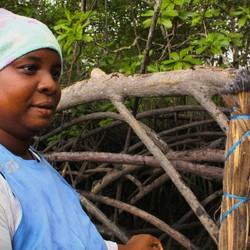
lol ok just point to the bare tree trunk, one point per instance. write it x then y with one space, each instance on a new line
201 83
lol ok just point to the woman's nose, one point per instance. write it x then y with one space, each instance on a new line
48 84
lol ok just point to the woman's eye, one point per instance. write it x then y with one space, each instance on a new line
29 69
56 75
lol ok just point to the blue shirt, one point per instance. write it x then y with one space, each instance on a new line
52 216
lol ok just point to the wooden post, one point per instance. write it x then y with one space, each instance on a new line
235 207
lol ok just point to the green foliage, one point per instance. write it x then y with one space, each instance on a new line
74 28
214 42
180 60
243 14
236 39
70 134
199 17
113 38
112 35
130 65
167 14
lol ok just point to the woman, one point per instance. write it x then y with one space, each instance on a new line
38 209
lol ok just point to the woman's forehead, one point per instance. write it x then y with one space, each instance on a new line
49 58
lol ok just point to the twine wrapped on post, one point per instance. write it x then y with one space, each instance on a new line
235 205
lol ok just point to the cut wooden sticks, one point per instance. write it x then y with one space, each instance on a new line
235 206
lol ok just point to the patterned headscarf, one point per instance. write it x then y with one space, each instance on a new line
20 35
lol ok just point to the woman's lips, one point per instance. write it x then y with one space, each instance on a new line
45 109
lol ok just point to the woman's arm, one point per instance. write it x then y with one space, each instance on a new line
142 242
9 215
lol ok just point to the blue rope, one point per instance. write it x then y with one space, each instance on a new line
233 108
236 144
242 200
240 140
234 117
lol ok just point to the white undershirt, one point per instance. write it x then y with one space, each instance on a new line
10 217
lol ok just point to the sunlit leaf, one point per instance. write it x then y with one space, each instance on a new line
147 23
201 49
196 20
242 21
178 66
179 2
149 13
175 56
167 23
185 51
68 16
216 50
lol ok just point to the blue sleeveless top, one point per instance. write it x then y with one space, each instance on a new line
52 217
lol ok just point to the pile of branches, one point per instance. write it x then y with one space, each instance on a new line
112 158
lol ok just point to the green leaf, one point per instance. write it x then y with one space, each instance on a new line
201 49
68 16
196 61
196 20
185 51
175 55
179 2
202 41
149 13
167 23
187 58
167 67
212 36
224 43
183 15
147 23
236 13
82 15
61 37
195 2
78 32
190 60
211 13
236 38
178 66
87 38
61 26
216 50
165 4
167 62
242 21
105 122
152 68
169 13
186 65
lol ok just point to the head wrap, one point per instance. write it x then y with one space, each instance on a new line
20 35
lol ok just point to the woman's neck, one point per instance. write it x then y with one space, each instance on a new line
17 146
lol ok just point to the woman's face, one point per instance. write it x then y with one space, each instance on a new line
29 93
